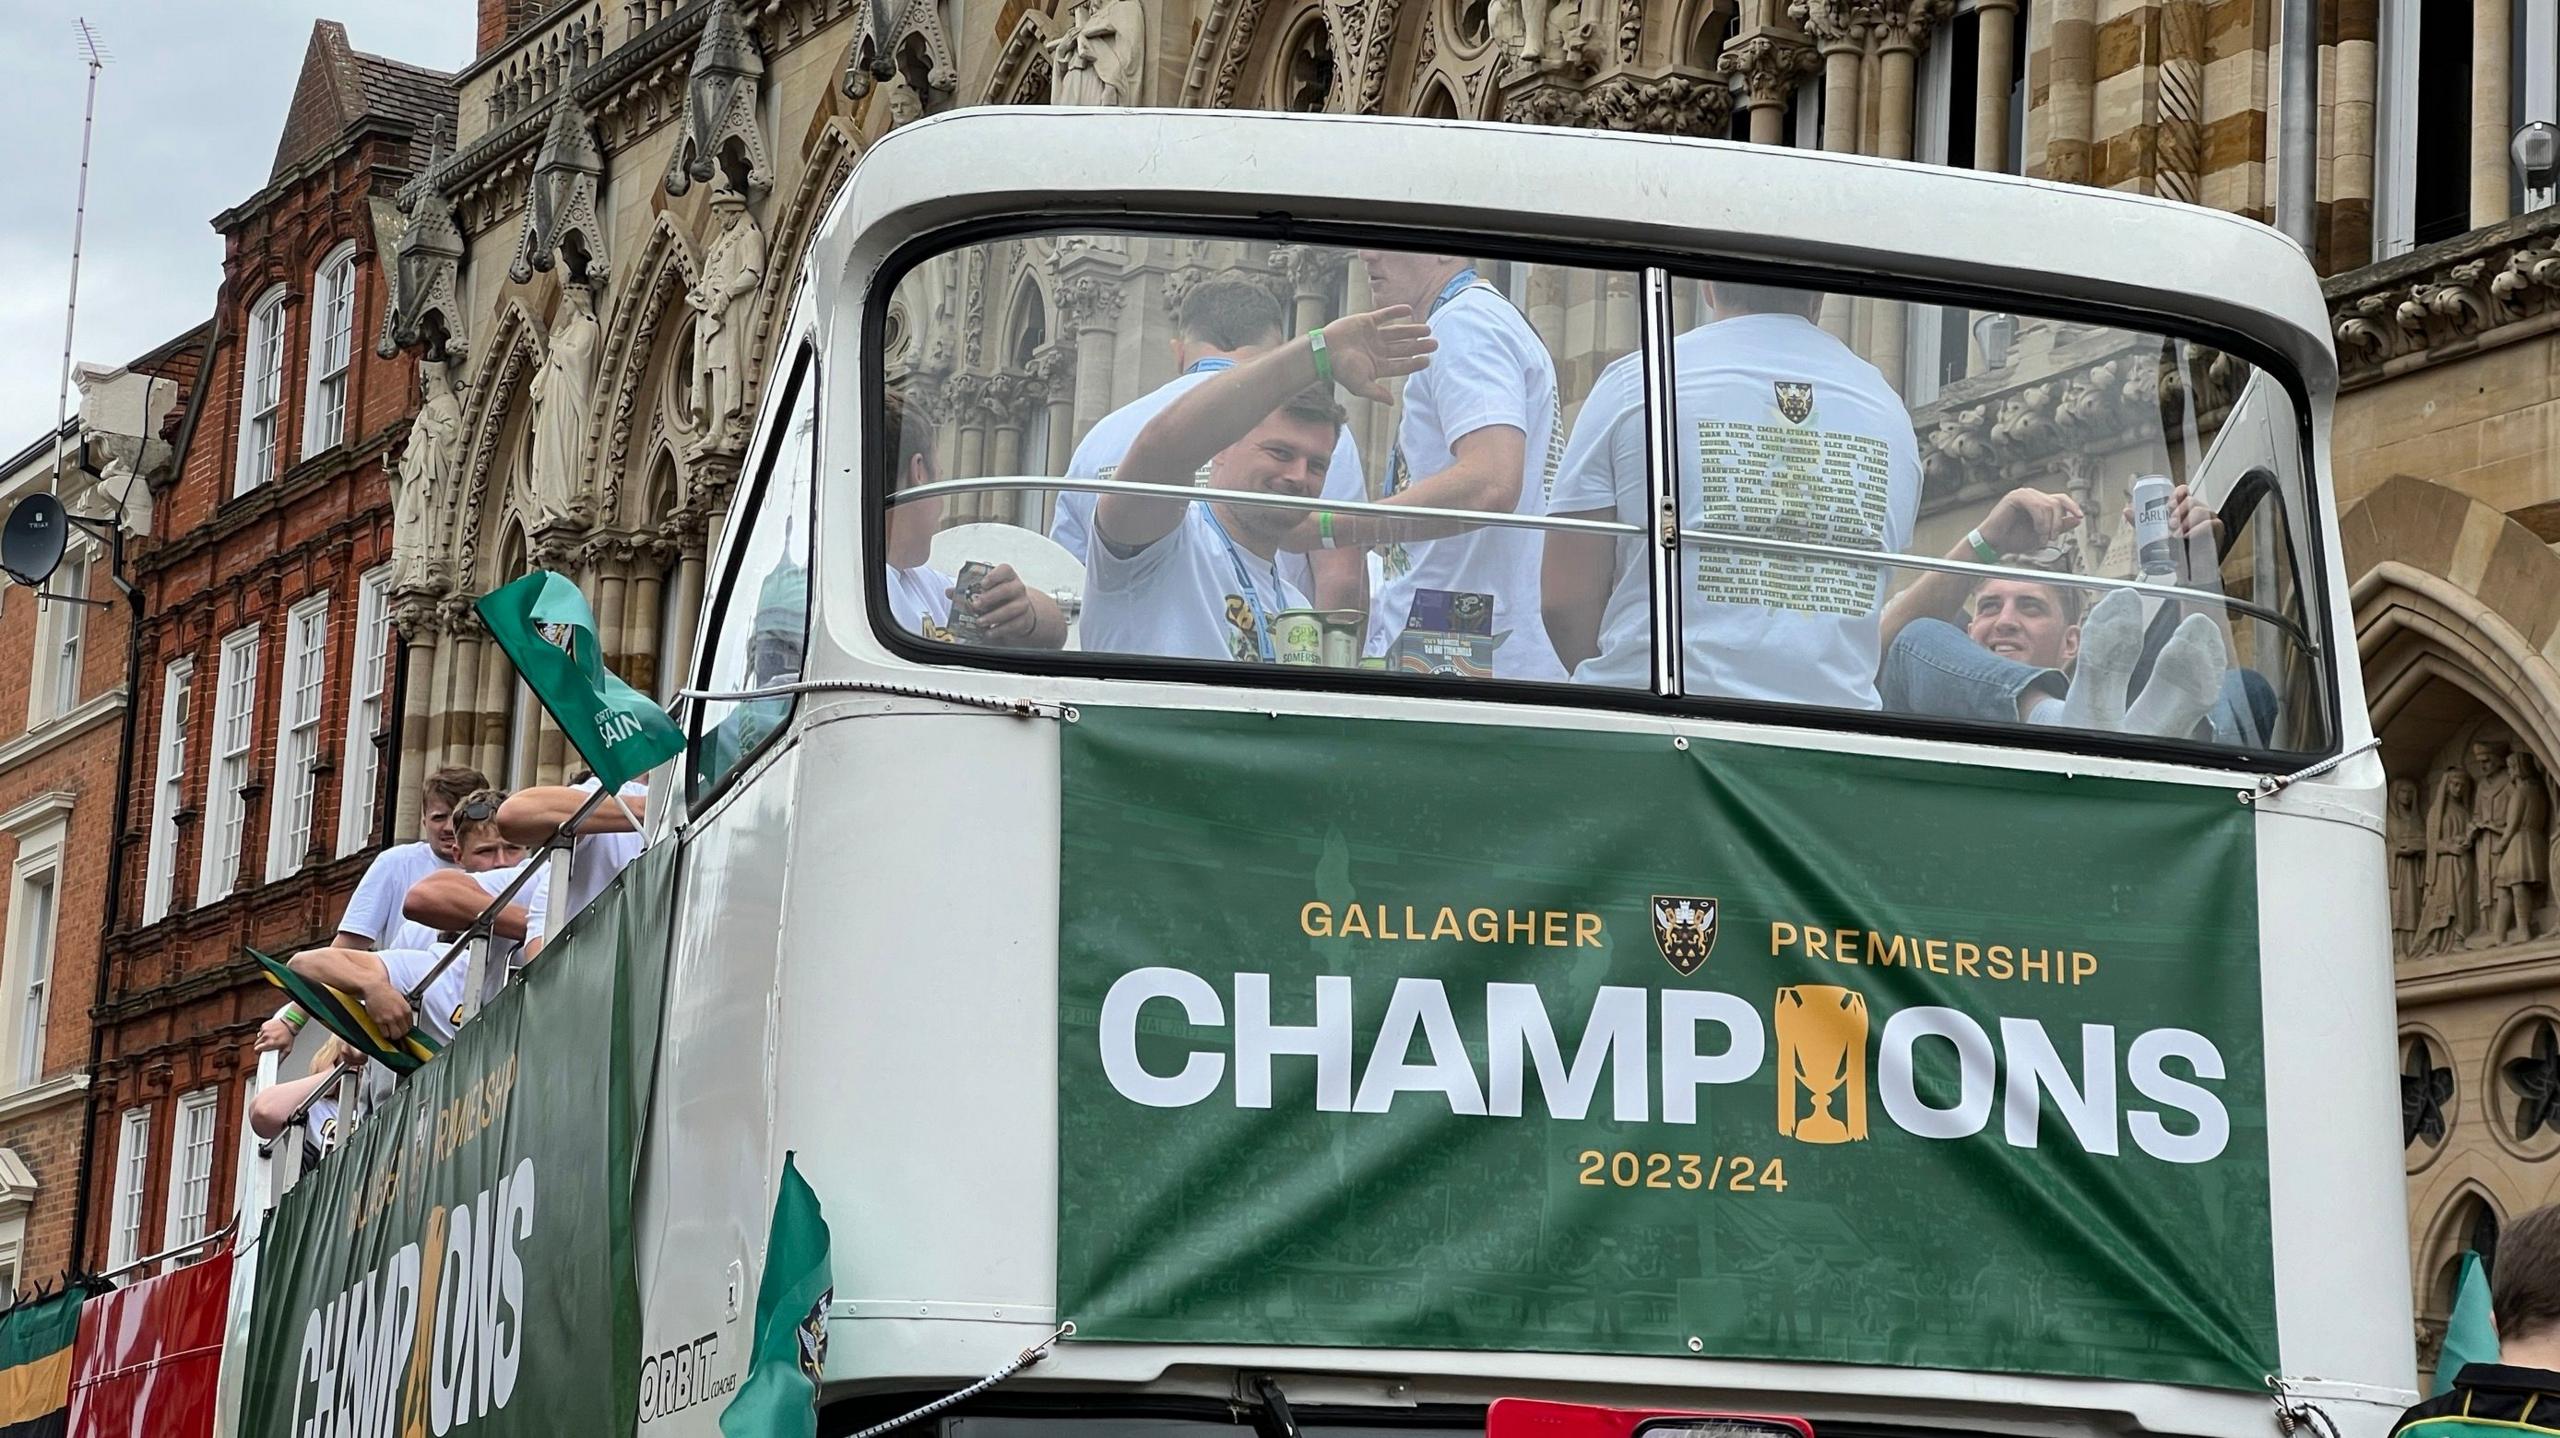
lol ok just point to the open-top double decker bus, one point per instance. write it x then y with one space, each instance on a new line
1604 928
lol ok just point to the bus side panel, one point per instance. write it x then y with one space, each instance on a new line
707 1171
923 953
2335 1183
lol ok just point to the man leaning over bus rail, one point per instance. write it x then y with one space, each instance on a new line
2503 1399
380 980
607 840
1195 579
1783 433
1475 432
373 917
448 902
1225 321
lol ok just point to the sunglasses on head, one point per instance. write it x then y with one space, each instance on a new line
478 811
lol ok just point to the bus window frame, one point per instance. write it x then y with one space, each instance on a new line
805 372
1654 341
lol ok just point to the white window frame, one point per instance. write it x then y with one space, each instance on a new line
192 1133
133 1175
231 749
27 970
261 394
326 390
168 788
61 635
368 709
301 696
2395 128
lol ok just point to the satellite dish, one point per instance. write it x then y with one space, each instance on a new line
31 542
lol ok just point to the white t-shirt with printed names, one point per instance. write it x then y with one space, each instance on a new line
1190 595
1107 443
1781 433
375 909
1490 369
597 859
920 601
438 1011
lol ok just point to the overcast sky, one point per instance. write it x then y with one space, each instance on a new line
188 115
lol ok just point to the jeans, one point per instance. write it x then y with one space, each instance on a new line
1935 669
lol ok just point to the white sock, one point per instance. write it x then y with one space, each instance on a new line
2185 680
2110 642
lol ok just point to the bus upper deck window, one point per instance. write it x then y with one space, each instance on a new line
1430 464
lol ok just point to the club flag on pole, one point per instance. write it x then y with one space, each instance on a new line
35 1365
340 1014
2471 1335
780 1396
544 625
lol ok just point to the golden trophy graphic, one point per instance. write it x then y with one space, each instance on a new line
1822 1047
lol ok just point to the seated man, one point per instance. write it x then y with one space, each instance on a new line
2026 652
1197 579
1009 612
1783 433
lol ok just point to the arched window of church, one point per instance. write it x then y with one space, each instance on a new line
1437 103
1474 23
1307 67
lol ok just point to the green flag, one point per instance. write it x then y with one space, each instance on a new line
780 1395
2471 1335
340 1014
544 625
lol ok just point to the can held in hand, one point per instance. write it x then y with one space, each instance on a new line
1297 637
2153 550
965 585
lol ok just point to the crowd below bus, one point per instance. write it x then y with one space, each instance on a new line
1759 386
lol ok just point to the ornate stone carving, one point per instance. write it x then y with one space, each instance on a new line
1089 301
1907 24
723 301
1547 36
900 40
2405 827
1667 105
1053 371
1771 63
721 99
423 306
2450 298
425 480
2452 909
560 205
563 396
1100 56
2518 829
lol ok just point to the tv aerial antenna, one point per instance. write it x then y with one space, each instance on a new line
94 54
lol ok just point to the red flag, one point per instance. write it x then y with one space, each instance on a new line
150 1355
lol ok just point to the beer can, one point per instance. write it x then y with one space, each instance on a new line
1297 637
1342 632
2153 550
965 585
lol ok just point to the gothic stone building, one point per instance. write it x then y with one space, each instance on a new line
265 680
633 182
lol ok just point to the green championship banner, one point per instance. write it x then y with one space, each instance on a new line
1438 1036
463 1262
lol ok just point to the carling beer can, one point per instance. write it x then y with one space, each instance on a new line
1297 637
965 585
2152 547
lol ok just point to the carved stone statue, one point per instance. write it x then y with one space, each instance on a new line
2523 823
2488 794
1100 57
2452 902
1513 31
905 105
563 403
724 298
2406 829
427 470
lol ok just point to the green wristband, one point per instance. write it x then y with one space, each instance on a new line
1324 527
1324 362
1982 548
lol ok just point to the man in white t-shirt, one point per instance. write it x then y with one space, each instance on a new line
1475 433
1009 612
1225 321
1191 578
372 919
452 900
608 839
1781 433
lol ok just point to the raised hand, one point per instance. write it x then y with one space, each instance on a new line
2027 519
1369 349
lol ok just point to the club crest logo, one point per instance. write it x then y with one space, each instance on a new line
558 636
1795 400
813 1337
1685 930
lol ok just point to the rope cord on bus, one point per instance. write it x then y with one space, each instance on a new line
1022 1360
1019 708
2293 1413
2275 784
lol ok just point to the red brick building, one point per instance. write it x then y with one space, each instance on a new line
62 726
266 679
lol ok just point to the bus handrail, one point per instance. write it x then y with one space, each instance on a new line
1717 538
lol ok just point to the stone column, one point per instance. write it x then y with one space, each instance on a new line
495 685
415 624
2351 175
688 541
646 649
1903 31
1089 303
1995 52
2490 133
1010 397
1053 384
1314 273
610 588
1771 56
1838 30
969 410
2071 93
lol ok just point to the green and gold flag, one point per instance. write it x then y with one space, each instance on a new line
548 632
339 1012
780 1396
35 1365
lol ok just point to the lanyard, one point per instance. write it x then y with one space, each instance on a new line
1459 283
1252 592
1211 365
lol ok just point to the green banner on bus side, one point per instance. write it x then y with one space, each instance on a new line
1440 1036
463 1263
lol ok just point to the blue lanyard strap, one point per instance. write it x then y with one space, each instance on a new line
1211 365
1252 591
1459 283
